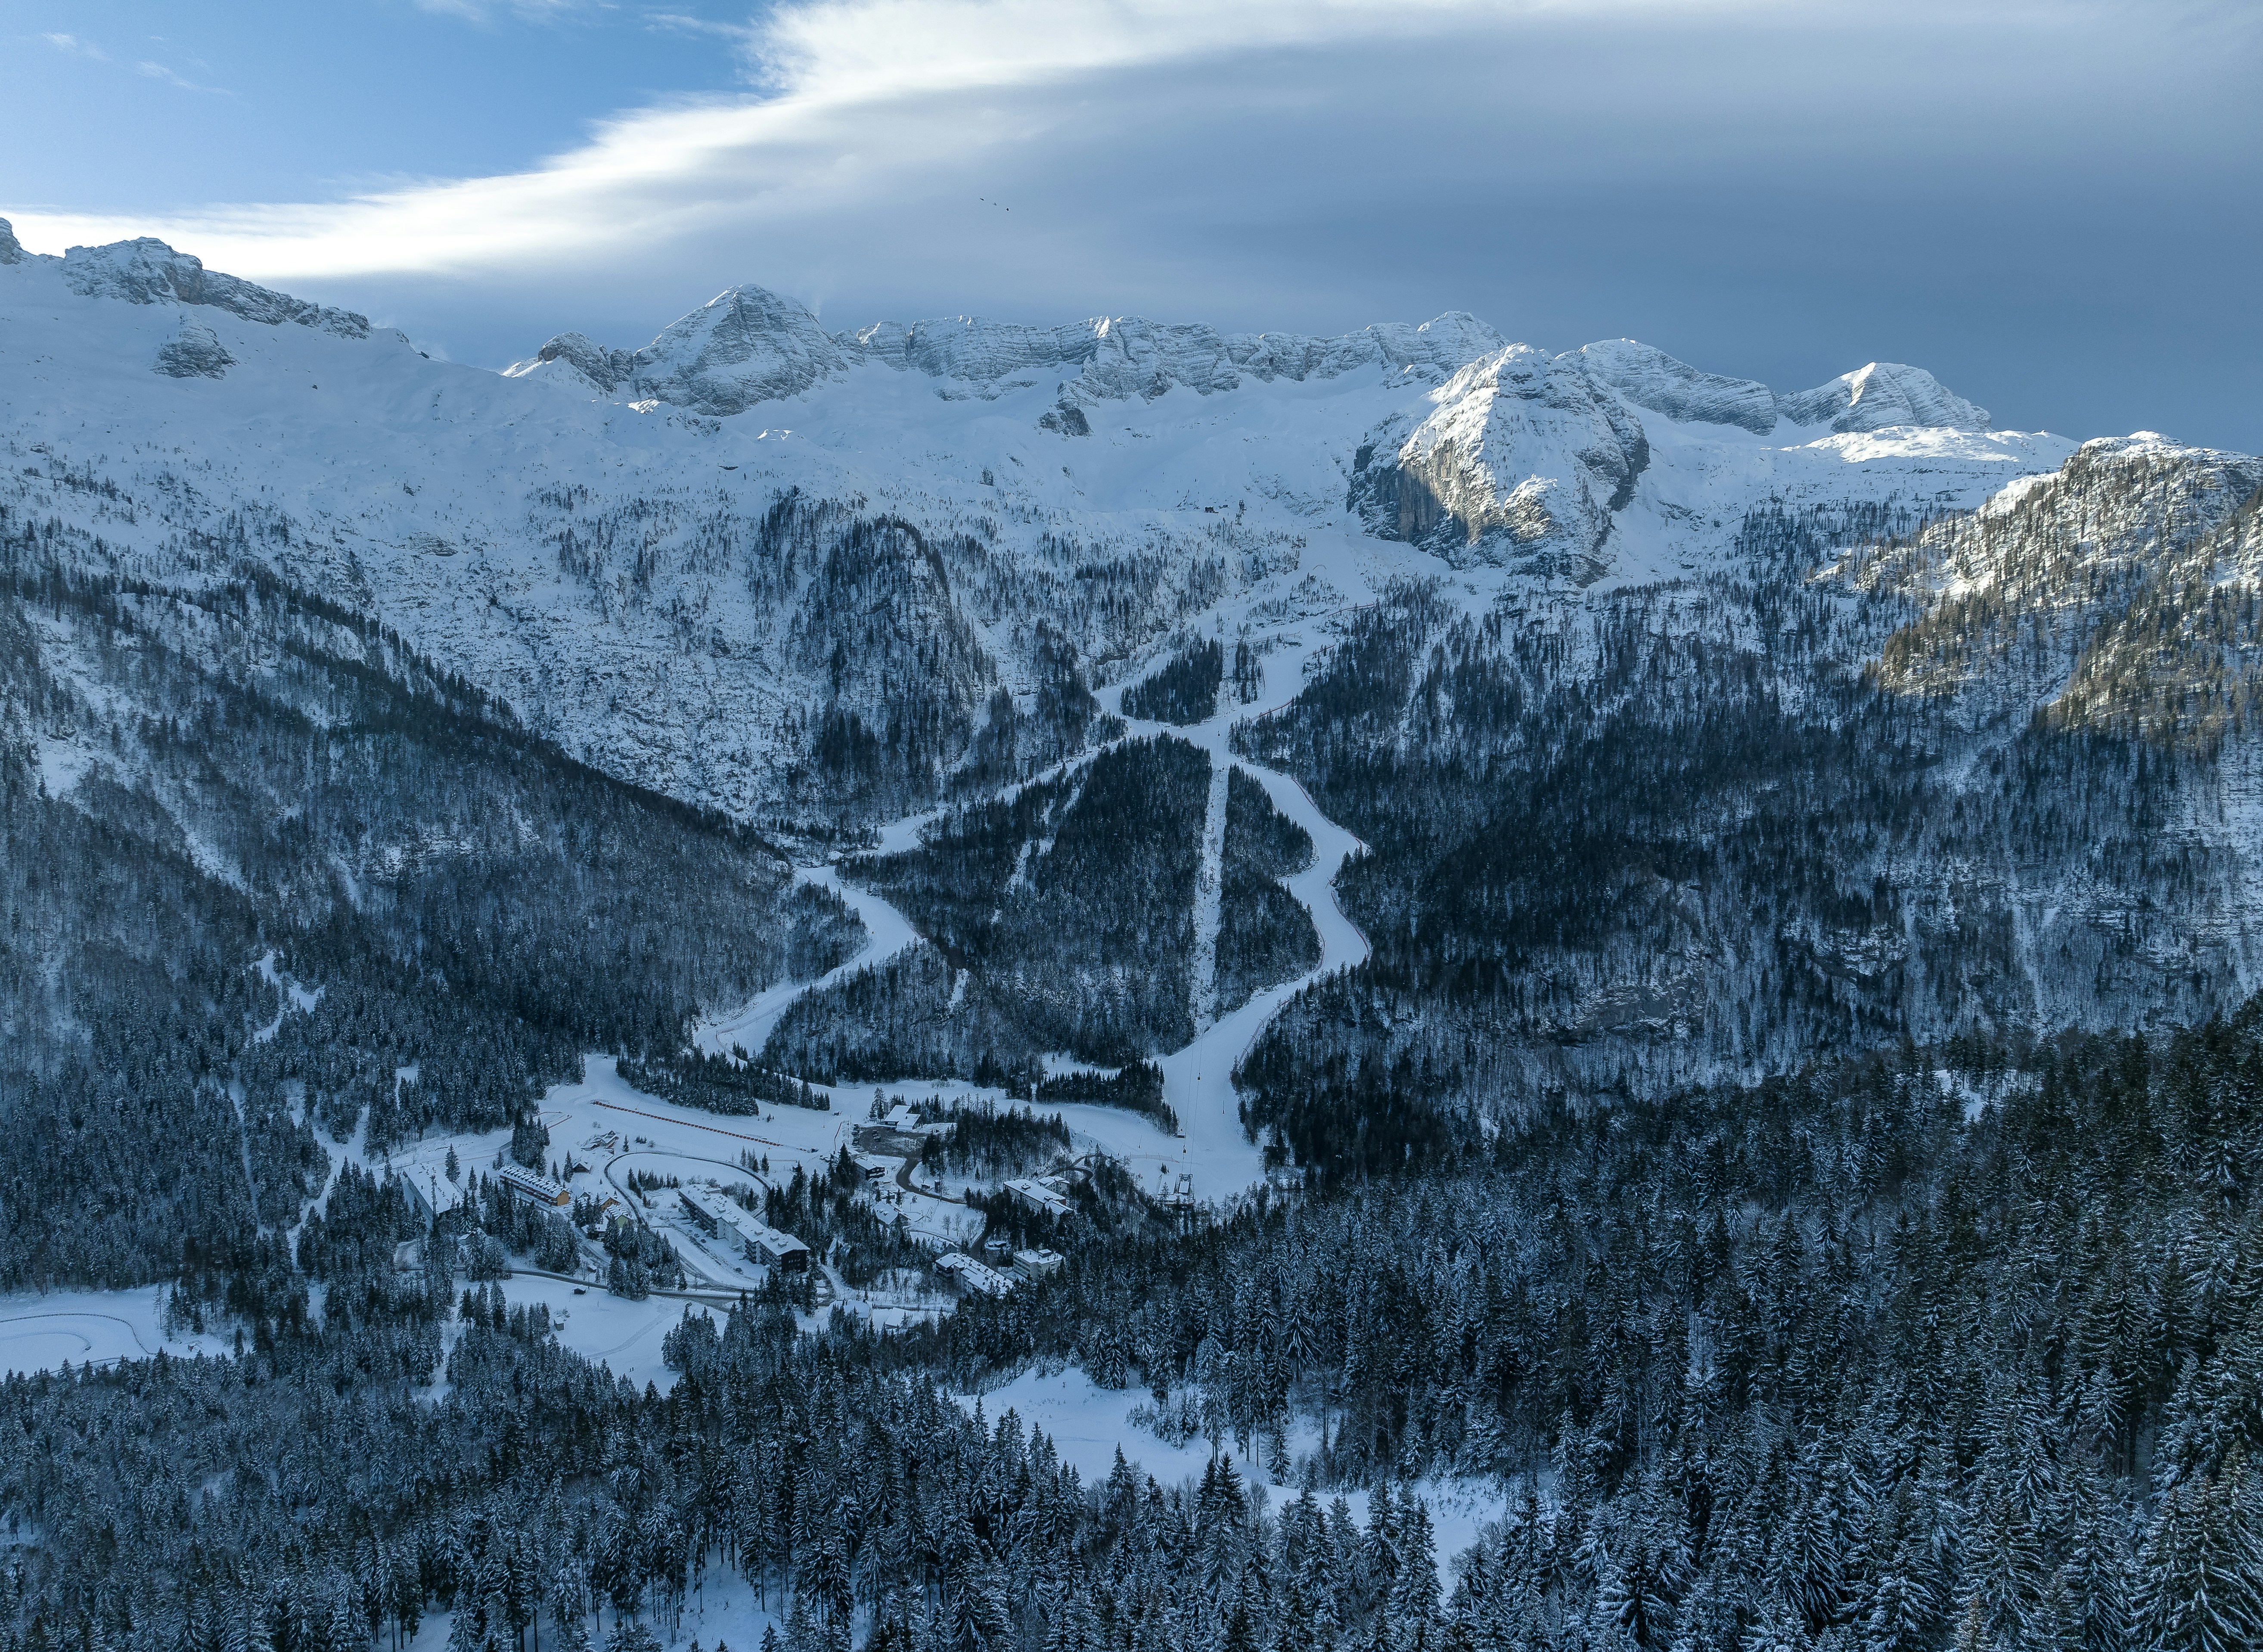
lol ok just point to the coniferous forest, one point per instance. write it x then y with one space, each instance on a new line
1836 1359
1911 1346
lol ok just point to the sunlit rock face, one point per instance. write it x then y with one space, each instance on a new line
1520 461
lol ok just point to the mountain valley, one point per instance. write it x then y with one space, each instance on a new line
1676 952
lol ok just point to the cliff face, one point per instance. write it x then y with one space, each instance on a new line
1524 462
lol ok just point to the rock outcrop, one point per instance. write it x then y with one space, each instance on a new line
1650 378
743 346
1520 463
194 352
148 271
1881 397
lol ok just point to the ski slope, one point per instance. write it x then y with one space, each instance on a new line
886 931
1197 1079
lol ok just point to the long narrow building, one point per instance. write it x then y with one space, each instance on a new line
718 1215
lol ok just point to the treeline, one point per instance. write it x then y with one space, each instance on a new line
887 625
2103 593
1137 1087
720 1083
1265 936
994 1143
1063 719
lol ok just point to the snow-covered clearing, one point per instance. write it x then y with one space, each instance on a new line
1208 891
1087 1424
46 1331
722 1613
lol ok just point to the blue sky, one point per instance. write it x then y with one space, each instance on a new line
2057 207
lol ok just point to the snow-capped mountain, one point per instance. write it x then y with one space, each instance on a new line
826 581
640 550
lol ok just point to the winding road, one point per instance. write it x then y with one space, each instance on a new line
887 933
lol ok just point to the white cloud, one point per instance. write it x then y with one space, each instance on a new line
1262 161
744 35
487 11
158 71
851 97
71 44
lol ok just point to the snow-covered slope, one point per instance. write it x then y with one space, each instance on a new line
788 572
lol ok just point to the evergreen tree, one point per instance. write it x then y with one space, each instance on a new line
2202 1565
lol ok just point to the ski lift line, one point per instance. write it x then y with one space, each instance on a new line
737 1135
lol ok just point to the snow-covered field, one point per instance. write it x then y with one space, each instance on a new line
46 1331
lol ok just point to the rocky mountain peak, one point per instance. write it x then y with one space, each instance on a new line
145 271
749 345
1881 395
1650 378
744 346
603 370
1522 462
11 251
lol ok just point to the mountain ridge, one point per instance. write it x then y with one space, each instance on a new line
1119 356
897 579
601 561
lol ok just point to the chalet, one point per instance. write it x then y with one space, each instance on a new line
424 1193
